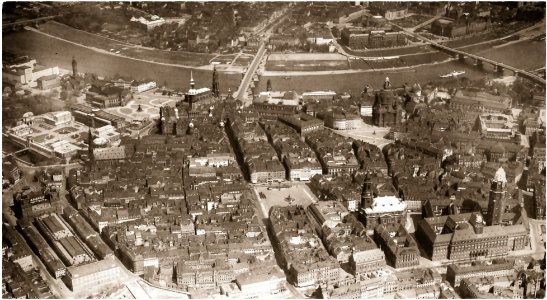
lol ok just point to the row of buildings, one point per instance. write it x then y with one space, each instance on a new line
375 33
195 220
20 277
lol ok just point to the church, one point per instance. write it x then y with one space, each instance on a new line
386 110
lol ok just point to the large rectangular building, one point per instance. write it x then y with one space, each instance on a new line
483 102
464 237
372 38
93 275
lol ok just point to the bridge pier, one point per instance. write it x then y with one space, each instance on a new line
516 74
498 69
461 57
478 63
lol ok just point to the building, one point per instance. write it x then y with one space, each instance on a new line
318 96
93 117
386 111
103 96
93 275
29 74
394 14
469 290
302 123
539 199
194 95
451 28
261 285
455 273
57 118
340 120
274 97
34 204
263 171
398 245
148 24
109 154
482 102
465 237
496 126
375 210
139 87
277 40
10 170
496 198
48 82
372 38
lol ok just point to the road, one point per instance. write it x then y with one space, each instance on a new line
294 291
537 238
30 21
241 93
243 90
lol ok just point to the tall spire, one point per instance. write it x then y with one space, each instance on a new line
74 67
192 83
90 144
216 90
387 84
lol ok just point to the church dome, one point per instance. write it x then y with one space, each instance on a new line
386 97
498 148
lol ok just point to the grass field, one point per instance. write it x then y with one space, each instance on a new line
92 40
403 61
223 59
390 52
306 56
243 61
411 21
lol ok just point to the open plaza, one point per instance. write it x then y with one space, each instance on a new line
283 194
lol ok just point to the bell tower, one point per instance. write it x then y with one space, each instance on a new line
74 68
366 195
192 82
497 195
216 89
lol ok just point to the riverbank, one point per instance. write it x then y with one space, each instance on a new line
100 50
94 41
401 60
52 51
339 72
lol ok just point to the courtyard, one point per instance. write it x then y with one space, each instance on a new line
149 103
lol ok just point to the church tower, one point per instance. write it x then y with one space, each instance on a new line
387 84
90 142
74 68
216 89
192 82
191 92
366 195
497 195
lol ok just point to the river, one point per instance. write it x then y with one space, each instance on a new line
53 52
49 51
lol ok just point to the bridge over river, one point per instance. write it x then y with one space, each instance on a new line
479 60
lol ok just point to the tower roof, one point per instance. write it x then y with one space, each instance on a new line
500 176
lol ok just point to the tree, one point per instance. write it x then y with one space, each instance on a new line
335 32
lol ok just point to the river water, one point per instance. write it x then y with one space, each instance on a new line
49 51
